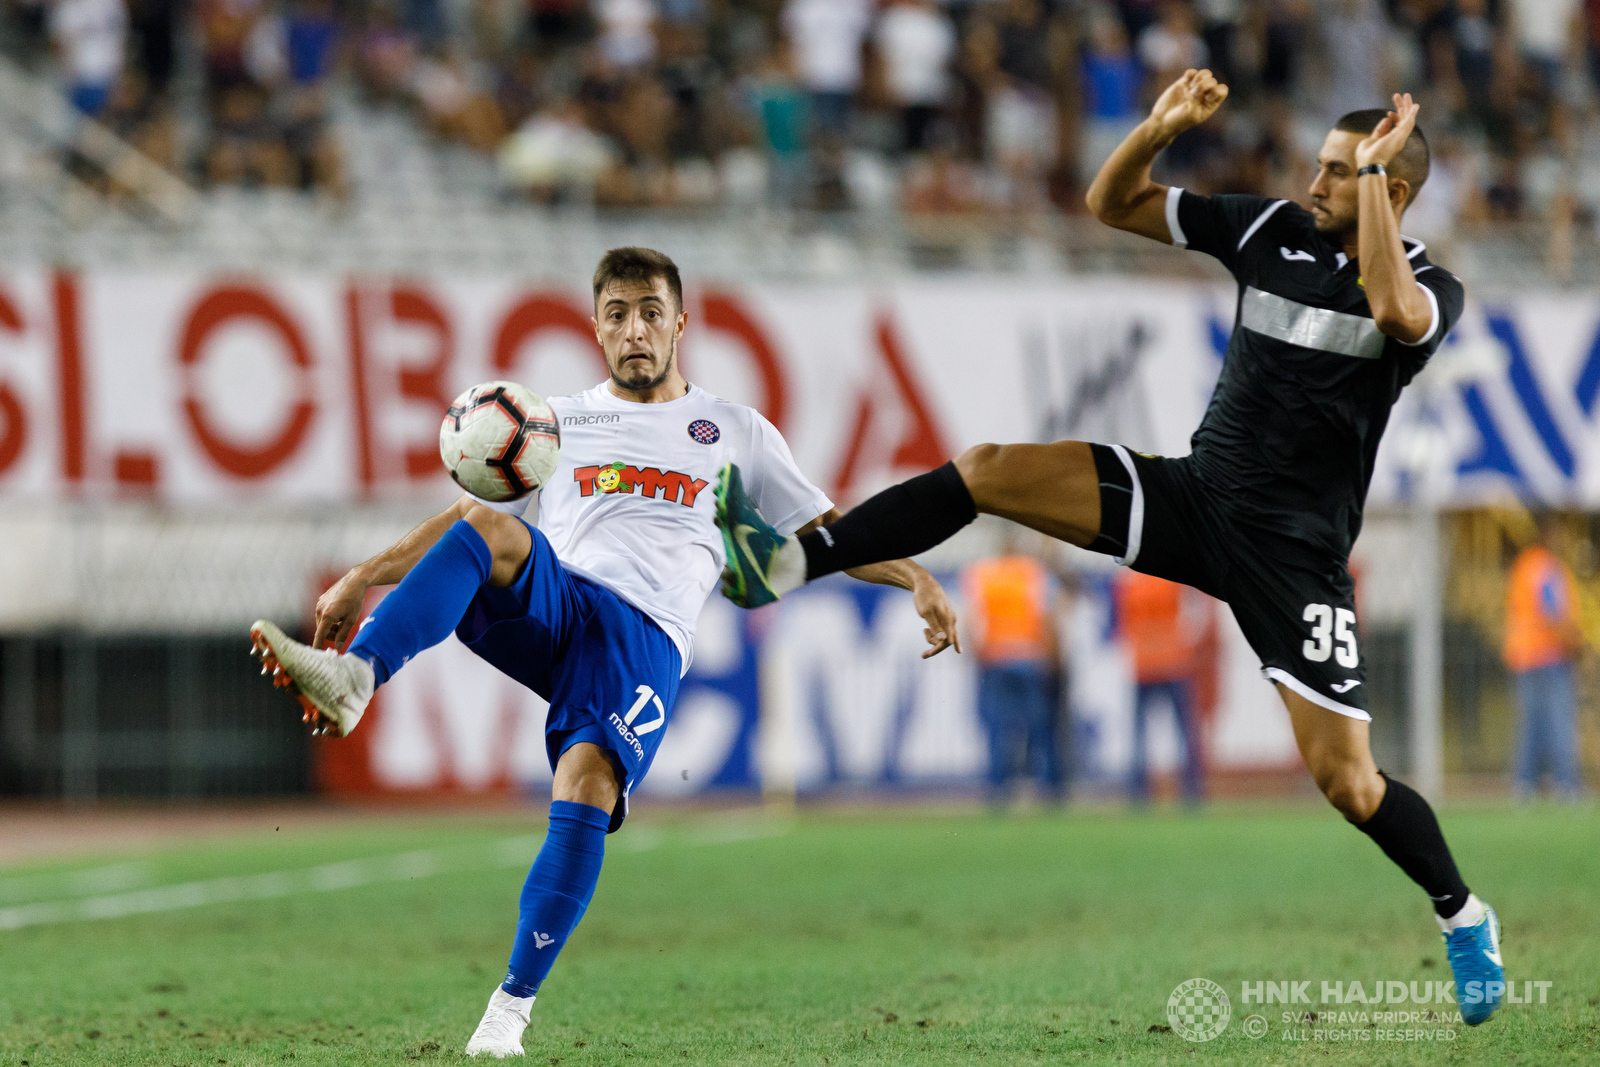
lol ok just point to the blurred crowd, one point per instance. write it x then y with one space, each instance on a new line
961 106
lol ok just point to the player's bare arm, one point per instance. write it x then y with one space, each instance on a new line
927 594
1122 194
1399 307
339 608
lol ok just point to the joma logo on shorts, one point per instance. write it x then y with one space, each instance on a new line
649 481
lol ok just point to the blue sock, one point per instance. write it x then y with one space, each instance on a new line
428 603
557 891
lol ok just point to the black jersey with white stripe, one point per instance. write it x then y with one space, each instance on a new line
1290 436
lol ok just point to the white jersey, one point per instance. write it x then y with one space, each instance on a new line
632 503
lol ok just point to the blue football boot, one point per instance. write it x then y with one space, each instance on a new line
750 544
1474 953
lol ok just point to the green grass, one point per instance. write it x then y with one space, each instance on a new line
842 938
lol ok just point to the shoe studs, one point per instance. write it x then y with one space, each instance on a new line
320 725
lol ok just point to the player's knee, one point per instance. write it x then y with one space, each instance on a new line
598 790
588 774
1353 789
505 535
493 526
978 464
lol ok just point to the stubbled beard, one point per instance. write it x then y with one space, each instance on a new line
644 387
1336 228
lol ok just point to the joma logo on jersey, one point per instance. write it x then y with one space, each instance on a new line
649 481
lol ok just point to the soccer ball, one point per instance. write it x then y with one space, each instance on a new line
500 441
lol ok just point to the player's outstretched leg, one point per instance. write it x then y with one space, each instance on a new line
1337 750
1053 488
556 894
427 605
424 608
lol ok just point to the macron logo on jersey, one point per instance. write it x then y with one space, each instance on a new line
650 481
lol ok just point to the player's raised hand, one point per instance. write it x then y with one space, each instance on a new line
1188 102
338 611
936 610
1391 134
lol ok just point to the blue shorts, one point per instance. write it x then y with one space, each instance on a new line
609 672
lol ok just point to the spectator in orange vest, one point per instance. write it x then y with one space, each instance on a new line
1012 612
1162 624
1542 642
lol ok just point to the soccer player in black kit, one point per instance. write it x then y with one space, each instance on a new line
1337 312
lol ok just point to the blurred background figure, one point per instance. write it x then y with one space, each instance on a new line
89 37
1011 615
1353 41
1163 625
916 41
782 113
826 37
1542 643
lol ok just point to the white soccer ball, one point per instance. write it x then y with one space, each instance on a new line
500 441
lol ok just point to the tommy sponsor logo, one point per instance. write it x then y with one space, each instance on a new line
625 724
649 481
590 420
1293 254
541 940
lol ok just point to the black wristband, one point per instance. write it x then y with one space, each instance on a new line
1371 168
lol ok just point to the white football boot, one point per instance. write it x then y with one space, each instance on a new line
333 688
499 1034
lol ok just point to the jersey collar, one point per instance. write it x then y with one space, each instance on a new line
606 396
1413 247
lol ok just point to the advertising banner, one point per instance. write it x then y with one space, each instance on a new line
306 390
317 392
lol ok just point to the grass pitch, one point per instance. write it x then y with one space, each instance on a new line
834 938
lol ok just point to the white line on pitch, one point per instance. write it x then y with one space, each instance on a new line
94 880
326 878
347 874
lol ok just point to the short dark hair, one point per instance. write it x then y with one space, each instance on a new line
1410 164
637 265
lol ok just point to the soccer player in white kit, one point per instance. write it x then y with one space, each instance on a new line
594 609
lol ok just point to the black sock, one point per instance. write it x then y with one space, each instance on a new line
1407 831
901 521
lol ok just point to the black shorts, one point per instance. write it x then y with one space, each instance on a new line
1295 604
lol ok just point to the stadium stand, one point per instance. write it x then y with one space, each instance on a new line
951 122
